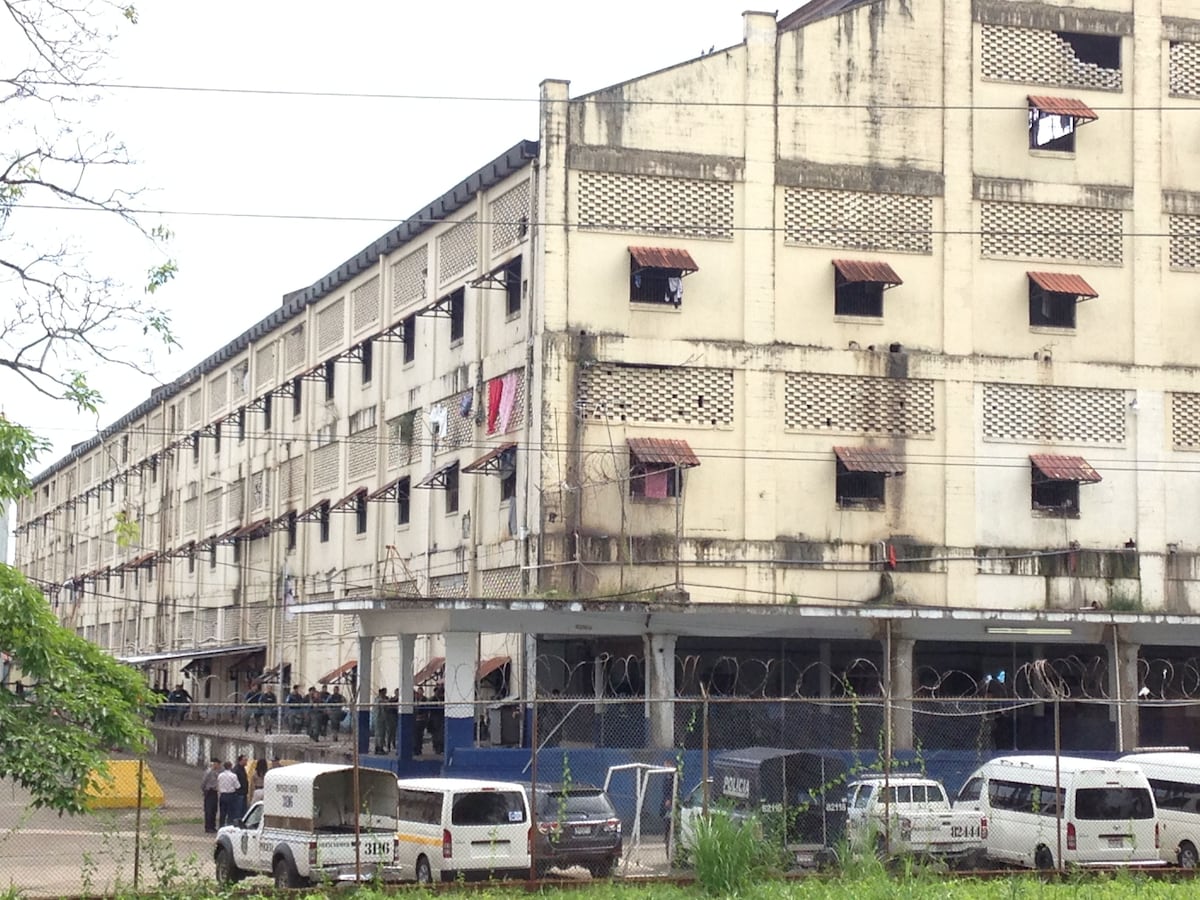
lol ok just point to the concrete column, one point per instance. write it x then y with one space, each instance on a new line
660 689
366 650
1123 686
762 389
529 686
462 662
900 686
406 724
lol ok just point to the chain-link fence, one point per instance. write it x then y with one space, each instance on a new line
619 785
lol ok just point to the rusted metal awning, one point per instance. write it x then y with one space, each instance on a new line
487 666
437 664
875 460
350 502
427 671
228 537
313 513
255 529
491 462
1059 283
1048 467
663 451
338 674
663 258
858 271
138 561
1064 106
389 491
436 478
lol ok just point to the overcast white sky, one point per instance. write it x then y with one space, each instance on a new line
306 156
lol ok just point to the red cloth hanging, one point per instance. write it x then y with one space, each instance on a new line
495 392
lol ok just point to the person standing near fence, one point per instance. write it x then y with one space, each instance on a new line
227 788
243 794
208 789
379 716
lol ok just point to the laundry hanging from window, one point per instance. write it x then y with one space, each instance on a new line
438 420
1049 127
495 393
508 400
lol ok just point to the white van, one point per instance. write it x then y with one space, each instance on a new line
1107 812
452 827
1175 781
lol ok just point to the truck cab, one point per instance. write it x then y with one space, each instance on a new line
904 814
306 829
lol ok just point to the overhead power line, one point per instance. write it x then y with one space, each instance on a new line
594 99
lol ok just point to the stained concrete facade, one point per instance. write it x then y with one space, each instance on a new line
920 356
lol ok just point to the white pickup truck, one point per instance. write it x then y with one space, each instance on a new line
302 831
922 822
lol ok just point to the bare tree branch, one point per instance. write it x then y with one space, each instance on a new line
56 317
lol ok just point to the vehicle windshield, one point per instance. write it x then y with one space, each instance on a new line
488 808
1113 803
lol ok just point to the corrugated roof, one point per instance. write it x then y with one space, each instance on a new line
861 270
815 10
1059 283
663 258
1064 106
877 460
662 450
1064 468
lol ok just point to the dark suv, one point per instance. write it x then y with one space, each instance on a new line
576 826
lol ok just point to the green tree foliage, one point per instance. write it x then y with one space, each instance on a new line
59 317
82 704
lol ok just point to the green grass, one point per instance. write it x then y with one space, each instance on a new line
866 885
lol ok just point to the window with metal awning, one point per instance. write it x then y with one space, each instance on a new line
862 474
656 467
443 479
656 274
1055 482
858 286
398 490
1053 297
499 461
1053 122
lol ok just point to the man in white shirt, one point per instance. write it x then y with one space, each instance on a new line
227 792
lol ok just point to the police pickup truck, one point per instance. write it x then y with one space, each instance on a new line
910 815
303 830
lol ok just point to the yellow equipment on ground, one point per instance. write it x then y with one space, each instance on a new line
117 787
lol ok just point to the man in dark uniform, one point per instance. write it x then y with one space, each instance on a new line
208 788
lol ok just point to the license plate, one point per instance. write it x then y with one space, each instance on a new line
582 829
1116 842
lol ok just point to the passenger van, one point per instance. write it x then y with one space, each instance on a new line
1108 817
1175 781
452 827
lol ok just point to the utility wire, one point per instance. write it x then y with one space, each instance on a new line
592 99
663 229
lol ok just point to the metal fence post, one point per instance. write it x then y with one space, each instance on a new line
137 828
533 794
1058 791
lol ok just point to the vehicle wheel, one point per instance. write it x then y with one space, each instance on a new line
286 875
602 869
1043 859
1188 857
227 872
424 873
